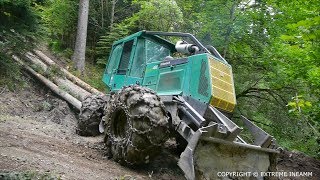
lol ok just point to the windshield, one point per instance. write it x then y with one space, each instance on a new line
155 51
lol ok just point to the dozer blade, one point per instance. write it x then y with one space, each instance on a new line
218 159
211 154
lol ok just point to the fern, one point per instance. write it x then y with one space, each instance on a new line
104 45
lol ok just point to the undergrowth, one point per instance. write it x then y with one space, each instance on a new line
10 74
92 75
17 32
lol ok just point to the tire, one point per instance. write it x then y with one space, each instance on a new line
91 113
136 125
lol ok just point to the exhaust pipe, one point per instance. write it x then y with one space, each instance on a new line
186 48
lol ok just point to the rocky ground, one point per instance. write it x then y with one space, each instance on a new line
38 139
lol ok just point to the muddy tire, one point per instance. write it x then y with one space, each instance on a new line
136 125
91 112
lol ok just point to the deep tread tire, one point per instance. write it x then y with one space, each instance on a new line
91 112
136 125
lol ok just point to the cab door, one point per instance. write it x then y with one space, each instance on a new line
112 65
138 65
120 76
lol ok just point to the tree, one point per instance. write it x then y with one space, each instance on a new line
60 26
156 15
80 46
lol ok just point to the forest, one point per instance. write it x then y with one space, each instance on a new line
272 45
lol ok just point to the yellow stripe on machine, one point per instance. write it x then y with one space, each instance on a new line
223 94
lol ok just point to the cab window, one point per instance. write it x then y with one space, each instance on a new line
116 53
139 61
125 58
155 52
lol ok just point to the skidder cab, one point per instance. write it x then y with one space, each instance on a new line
157 86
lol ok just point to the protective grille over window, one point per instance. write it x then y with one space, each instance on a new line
203 81
124 62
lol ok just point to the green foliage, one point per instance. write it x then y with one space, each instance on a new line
18 13
157 15
104 44
60 20
93 76
166 16
298 104
18 21
273 48
287 65
9 73
53 71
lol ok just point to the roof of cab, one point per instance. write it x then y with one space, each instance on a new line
144 34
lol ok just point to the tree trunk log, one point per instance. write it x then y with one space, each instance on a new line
71 88
34 60
65 84
68 75
80 46
44 57
66 96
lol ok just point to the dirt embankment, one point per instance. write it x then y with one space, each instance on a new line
37 134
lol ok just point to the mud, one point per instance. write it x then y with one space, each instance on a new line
38 135
136 125
91 113
298 162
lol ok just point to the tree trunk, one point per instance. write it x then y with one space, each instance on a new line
68 75
80 46
113 6
66 96
75 90
102 14
37 62
71 88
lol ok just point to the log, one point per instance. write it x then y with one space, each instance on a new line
36 61
65 84
44 57
71 88
66 96
68 75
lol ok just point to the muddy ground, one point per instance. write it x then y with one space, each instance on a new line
37 135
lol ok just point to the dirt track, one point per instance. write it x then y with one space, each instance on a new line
37 133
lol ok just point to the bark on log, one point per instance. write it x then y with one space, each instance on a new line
66 96
71 88
65 84
68 75
44 57
33 59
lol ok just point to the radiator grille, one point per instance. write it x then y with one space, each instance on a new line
203 80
